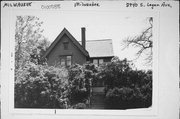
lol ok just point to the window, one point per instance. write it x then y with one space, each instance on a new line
98 61
63 63
101 61
65 60
95 62
66 44
68 60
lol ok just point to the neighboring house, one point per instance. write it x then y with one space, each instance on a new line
66 50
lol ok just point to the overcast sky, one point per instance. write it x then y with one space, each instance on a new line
99 25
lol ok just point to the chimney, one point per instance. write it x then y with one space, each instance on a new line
83 37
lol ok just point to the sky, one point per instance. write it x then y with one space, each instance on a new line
99 25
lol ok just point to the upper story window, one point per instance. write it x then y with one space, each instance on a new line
66 45
65 60
68 60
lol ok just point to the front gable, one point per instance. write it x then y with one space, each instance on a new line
66 45
59 37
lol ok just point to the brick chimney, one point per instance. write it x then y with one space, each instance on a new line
83 37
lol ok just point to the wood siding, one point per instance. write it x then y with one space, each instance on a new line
77 56
105 59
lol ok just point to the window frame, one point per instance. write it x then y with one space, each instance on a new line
66 59
96 64
101 62
98 61
66 45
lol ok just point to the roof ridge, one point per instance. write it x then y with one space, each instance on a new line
62 33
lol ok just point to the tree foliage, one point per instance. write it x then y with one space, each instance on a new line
41 86
80 81
125 87
143 42
30 44
115 73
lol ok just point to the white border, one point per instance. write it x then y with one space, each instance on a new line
153 111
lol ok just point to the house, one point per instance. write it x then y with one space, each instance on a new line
100 51
66 50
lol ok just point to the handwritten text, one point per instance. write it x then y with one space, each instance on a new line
18 4
92 4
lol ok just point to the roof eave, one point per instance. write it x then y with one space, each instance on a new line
102 56
65 31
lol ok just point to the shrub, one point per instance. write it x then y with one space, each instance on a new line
80 80
42 86
124 98
38 86
124 86
119 97
80 106
115 73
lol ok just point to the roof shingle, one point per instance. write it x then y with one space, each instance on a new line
100 48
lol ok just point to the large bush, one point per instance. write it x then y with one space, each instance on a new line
117 97
115 73
126 87
80 81
38 86
43 86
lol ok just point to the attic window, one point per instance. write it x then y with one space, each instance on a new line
66 45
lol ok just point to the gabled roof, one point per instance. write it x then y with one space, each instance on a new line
58 38
100 48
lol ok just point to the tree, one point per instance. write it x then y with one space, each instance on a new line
80 81
41 86
143 42
28 40
37 53
126 87
115 73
